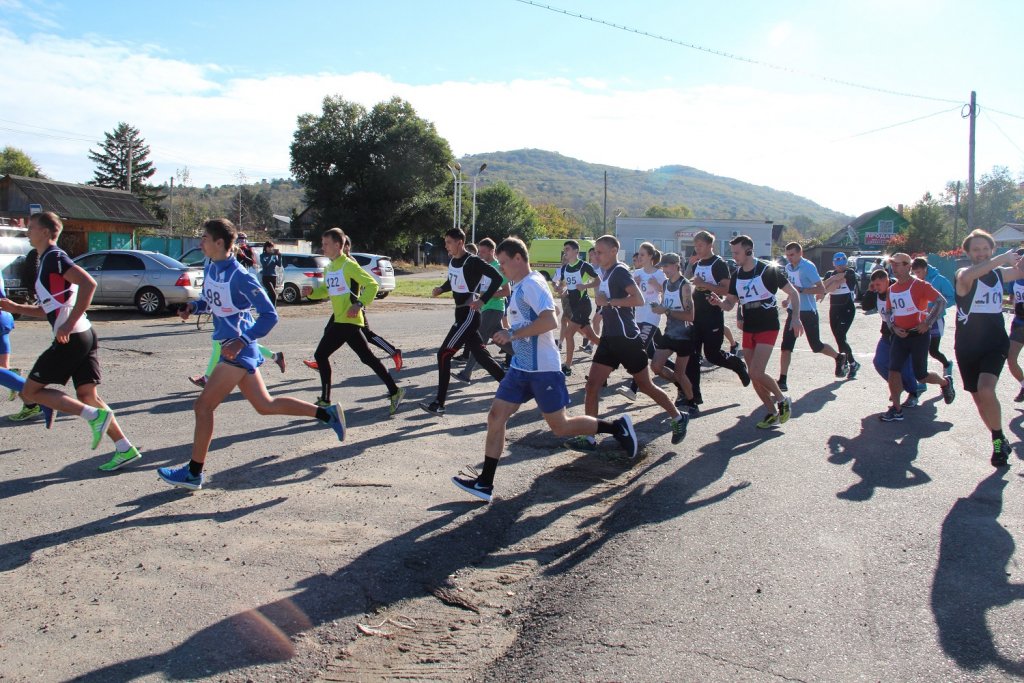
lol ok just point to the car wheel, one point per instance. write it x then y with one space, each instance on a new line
291 294
150 301
383 295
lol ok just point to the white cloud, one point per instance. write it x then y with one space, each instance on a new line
196 115
780 34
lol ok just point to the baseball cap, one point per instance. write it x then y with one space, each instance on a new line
840 259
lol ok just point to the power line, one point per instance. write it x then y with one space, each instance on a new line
1004 113
738 58
1003 133
894 125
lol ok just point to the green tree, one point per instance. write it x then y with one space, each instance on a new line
996 195
929 229
665 211
125 143
503 212
558 223
381 175
14 161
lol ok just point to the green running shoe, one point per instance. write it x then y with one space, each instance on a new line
769 421
25 413
99 425
396 400
320 403
14 394
581 443
120 459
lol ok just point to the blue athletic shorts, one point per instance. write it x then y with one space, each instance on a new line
5 344
248 358
548 388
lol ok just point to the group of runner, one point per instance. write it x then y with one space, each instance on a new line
692 295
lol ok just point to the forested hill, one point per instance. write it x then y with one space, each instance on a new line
550 178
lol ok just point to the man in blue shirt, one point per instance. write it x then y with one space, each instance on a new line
804 276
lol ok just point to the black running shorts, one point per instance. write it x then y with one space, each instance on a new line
77 360
972 364
616 351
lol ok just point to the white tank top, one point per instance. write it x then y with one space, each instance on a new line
218 296
457 279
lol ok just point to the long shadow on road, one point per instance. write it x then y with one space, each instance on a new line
970 578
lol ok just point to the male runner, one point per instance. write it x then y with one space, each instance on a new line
595 322
575 277
1017 335
14 387
911 307
709 276
229 292
535 371
491 312
467 275
873 302
930 274
841 286
981 342
804 277
64 292
754 286
617 296
341 276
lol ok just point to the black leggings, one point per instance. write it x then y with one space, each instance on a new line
270 284
377 340
840 318
463 333
337 335
647 332
709 335
933 350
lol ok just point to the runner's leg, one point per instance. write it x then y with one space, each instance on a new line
219 385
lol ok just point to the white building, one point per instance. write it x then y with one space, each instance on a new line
676 234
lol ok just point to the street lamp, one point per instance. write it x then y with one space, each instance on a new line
456 171
476 177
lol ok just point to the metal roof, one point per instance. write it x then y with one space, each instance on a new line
69 200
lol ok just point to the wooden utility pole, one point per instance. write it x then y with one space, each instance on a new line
970 164
605 203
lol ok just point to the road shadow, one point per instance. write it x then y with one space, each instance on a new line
971 578
883 453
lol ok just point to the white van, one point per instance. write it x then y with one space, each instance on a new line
18 271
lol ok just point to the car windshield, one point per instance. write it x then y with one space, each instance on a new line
166 261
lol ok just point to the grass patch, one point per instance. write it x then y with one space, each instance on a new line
415 286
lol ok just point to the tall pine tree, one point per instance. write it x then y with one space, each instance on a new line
112 167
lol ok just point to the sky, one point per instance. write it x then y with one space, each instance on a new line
799 96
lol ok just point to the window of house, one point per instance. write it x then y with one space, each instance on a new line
885 226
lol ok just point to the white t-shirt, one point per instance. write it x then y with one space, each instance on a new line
644 314
530 297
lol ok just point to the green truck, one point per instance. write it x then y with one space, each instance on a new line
546 254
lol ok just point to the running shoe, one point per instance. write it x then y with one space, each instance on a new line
692 408
587 347
25 413
434 408
734 348
842 365
459 360
948 392
99 425
627 436
396 358
396 400
566 370
628 393
120 459
321 403
13 393
679 426
462 377
279 359
1020 396
854 367
337 421
785 410
891 415
782 385
1000 452
584 444
744 375
769 421
947 369
311 364
911 401
198 380
181 477
474 488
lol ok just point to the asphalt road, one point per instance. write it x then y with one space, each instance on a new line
834 548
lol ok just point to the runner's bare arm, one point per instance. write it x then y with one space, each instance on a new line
965 277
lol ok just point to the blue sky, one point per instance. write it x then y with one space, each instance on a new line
217 86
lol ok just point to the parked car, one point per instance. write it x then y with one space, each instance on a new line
381 269
302 273
195 258
148 280
862 267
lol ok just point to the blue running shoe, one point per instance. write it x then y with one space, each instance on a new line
181 477
337 422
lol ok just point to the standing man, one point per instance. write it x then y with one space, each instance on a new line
754 286
841 286
491 312
64 292
535 372
924 271
576 276
467 275
804 277
342 276
270 261
981 341
710 277
911 306
620 344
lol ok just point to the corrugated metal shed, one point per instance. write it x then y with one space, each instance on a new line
69 200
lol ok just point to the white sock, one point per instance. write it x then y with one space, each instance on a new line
122 445
89 413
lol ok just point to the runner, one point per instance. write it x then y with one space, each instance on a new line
804 277
677 306
342 276
535 372
64 292
201 380
651 281
467 275
930 274
1017 335
909 310
878 290
491 313
620 344
14 387
754 287
981 342
710 277
229 292
841 286
596 320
